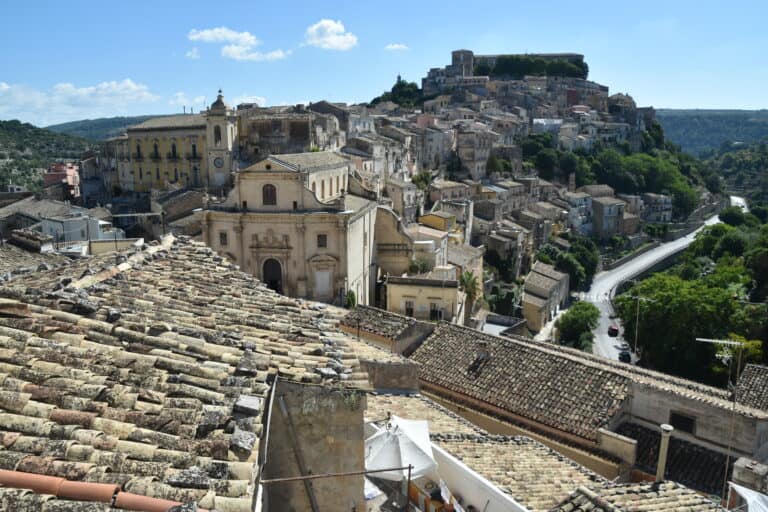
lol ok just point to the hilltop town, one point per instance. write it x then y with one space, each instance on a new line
214 310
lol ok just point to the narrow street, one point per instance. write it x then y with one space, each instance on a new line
604 287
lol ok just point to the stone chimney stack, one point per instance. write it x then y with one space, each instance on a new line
666 433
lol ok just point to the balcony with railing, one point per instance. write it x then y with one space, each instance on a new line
138 157
155 157
173 157
195 157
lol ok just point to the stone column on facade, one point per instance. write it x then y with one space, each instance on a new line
240 243
302 290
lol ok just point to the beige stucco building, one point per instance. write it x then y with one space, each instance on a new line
288 221
190 150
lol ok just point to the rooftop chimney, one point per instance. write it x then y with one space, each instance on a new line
666 433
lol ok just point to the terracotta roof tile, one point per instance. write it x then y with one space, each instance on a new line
663 497
149 369
752 389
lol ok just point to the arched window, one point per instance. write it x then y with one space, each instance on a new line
337 184
173 151
155 152
269 194
138 151
322 189
217 135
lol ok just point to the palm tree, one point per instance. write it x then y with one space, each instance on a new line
470 286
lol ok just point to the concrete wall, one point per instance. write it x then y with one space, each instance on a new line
713 424
329 433
618 445
105 246
392 375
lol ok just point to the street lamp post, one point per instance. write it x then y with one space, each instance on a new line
637 315
734 390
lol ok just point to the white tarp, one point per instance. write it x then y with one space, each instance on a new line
756 502
403 442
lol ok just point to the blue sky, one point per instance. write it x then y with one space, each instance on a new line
63 61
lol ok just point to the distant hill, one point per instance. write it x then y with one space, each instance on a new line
745 170
98 129
704 132
25 148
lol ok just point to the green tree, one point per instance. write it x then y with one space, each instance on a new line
567 263
350 299
678 312
576 324
733 216
470 285
546 163
494 165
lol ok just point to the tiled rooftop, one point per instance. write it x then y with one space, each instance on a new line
152 373
752 389
378 321
559 387
534 475
16 261
645 497
312 160
523 379
418 407
171 122
688 463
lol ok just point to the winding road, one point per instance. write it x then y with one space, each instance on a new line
604 284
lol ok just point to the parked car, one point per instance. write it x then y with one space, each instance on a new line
625 357
613 330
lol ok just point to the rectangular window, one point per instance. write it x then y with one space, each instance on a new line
682 422
434 312
322 241
223 238
409 308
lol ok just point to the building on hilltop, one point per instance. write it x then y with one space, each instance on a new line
289 222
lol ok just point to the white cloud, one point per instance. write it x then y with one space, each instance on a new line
330 35
65 101
223 35
193 54
236 52
180 99
396 46
240 45
244 98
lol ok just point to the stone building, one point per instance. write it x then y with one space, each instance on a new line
473 146
191 150
263 132
289 222
608 216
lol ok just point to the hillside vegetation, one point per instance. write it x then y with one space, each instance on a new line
25 149
704 132
98 129
745 170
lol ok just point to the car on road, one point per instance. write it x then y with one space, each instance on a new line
613 330
625 357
